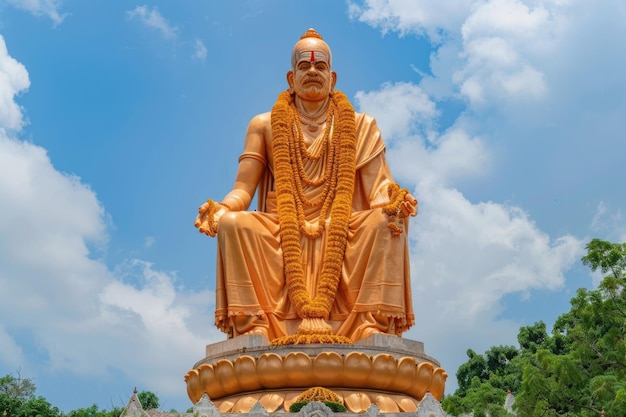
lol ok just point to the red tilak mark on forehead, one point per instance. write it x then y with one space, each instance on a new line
312 56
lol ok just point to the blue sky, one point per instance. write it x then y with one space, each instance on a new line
506 119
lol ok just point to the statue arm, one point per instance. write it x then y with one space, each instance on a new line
251 168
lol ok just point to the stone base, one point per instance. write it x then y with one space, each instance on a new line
388 372
428 407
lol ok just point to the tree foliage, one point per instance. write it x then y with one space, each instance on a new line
485 379
94 411
587 374
148 400
17 387
37 407
31 407
17 399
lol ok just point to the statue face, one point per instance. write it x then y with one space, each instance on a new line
312 78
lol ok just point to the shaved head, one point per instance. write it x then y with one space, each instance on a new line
311 47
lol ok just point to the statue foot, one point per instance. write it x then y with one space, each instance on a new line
258 330
370 331
314 325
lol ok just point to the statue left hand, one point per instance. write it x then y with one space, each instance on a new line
409 206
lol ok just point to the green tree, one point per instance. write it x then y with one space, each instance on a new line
582 371
14 392
148 400
475 367
9 405
484 380
36 407
114 412
17 387
485 400
94 411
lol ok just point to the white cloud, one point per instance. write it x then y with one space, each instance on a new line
13 80
153 303
153 19
443 159
49 8
512 17
501 38
407 118
484 251
430 17
200 50
399 108
489 52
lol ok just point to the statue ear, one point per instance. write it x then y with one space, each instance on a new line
290 81
333 74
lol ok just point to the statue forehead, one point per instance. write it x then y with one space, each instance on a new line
308 48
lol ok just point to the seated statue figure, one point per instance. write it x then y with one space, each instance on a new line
326 252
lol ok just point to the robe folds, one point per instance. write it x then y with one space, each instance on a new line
374 292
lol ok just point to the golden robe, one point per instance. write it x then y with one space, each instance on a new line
374 292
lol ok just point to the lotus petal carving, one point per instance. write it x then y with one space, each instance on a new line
245 368
356 372
194 387
358 367
328 369
298 369
357 402
270 371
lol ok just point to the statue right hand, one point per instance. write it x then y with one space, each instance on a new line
207 222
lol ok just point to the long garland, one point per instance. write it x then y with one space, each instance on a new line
290 228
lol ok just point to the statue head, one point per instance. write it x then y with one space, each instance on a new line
311 77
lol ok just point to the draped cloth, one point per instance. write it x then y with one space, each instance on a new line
374 292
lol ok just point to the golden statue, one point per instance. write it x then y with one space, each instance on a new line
324 259
326 252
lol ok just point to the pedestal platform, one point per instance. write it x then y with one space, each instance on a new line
390 372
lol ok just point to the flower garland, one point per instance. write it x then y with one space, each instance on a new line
392 209
329 178
289 210
319 394
311 339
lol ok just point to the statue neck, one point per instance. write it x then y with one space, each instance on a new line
312 109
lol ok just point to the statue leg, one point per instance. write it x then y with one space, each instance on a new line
250 281
374 295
